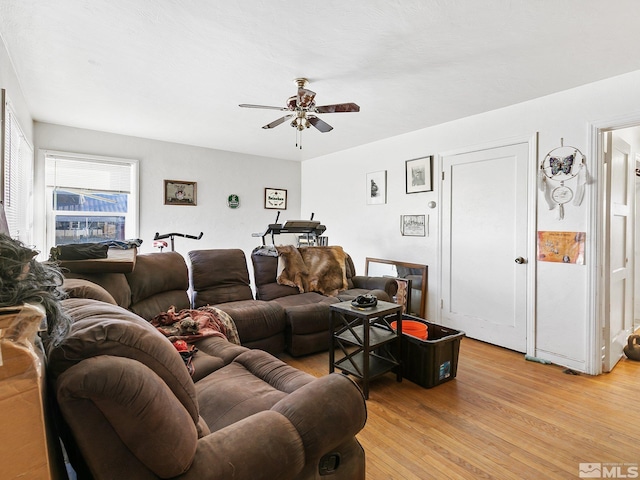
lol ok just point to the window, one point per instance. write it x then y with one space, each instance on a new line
17 176
90 199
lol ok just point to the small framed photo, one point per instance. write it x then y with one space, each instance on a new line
179 192
275 198
377 188
418 172
413 225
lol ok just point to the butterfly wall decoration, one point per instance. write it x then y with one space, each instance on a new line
561 165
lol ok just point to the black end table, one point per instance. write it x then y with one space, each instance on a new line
363 335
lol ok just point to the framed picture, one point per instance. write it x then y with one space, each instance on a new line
377 188
275 198
418 172
179 192
413 225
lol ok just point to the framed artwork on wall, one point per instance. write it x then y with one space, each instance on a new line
275 198
179 192
418 173
377 188
413 225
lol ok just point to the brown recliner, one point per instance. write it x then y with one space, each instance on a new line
132 410
220 277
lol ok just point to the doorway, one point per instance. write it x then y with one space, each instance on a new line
615 148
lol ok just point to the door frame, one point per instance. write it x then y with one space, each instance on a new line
594 255
532 202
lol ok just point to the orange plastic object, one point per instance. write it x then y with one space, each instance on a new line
413 328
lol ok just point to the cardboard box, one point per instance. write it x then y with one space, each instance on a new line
24 452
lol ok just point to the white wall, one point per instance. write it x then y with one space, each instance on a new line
217 173
334 187
10 83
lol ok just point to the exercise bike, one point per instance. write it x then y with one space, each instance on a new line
158 240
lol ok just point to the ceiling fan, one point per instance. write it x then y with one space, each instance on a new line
304 110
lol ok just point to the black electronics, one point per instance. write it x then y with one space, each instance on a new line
364 301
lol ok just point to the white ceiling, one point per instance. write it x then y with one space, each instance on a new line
176 70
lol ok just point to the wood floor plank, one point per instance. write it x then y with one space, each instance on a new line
502 417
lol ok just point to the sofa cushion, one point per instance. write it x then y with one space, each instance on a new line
103 329
255 319
80 288
306 319
253 382
114 283
160 280
309 298
219 276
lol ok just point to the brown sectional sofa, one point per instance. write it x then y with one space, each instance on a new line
279 318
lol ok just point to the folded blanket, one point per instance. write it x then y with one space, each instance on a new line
78 251
191 325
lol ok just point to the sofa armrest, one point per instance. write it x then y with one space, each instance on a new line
326 413
263 446
125 420
220 347
274 371
387 284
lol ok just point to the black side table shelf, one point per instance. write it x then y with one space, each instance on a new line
369 331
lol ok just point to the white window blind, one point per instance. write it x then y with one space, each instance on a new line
17 176
87 174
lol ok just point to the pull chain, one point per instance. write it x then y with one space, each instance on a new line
299 138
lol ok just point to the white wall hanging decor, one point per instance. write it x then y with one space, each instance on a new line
377 188
413 225
562 164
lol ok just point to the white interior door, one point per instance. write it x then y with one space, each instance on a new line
484 244
618 252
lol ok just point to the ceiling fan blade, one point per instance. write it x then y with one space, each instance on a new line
277 122
305 97
266 107
337 108
324 127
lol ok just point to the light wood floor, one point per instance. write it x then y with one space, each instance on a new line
502 417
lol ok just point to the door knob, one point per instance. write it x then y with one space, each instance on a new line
520 260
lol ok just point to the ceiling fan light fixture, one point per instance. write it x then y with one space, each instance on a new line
302 104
